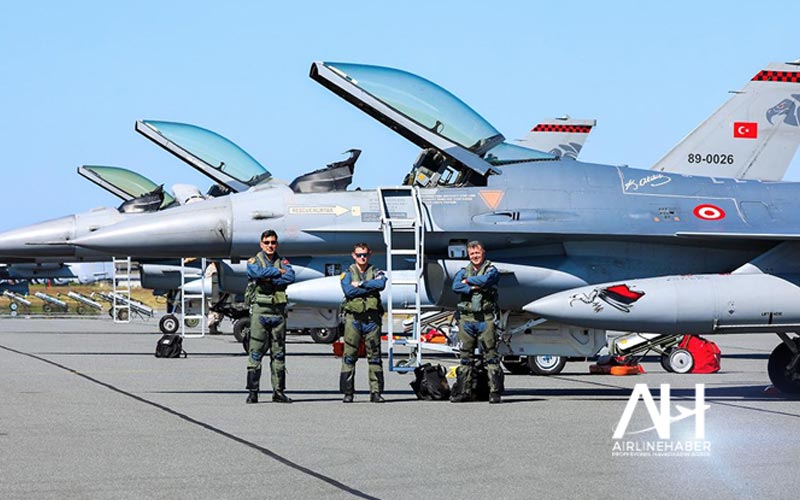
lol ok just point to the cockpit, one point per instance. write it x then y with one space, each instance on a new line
459 147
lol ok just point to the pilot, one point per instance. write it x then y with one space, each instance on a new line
476 285
266 295
362 284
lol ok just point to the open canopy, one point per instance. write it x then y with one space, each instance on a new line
423 101
210 153
123 183
461 147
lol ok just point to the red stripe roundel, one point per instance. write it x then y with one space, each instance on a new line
708 212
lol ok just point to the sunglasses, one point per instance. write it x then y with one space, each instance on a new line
362 255
270 242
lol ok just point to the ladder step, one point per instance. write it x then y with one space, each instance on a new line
400 220
405 311
403 368
404 252
405 282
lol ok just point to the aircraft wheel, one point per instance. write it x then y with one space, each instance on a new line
665 361
778 369
168 324
122 315
546 364
191 323
241 329
516 365
47 308
681 361
80 310
13 306
324 335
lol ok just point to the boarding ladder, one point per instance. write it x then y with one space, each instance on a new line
200 317
401 212
121 286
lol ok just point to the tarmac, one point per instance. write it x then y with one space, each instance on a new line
87 411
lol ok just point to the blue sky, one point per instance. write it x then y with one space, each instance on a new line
76 76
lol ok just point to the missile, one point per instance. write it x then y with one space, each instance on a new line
698 304
327 292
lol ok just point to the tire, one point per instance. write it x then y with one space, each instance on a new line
191 323
241 329
81 310
168 324
324 335
47 308
665 361
544 364
516 365
13 306
787 383
122 315
681 361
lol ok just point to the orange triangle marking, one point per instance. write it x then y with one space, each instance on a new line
491 198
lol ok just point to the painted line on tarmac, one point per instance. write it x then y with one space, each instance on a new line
271 454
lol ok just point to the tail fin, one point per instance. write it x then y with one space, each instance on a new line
559 136
754 135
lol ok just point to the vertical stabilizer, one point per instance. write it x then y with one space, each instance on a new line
754 135
562 136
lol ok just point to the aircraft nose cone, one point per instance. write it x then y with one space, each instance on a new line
550 307
30 241
203 228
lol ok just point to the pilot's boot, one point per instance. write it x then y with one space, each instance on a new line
461 392
375 396
496 382
253 378
347 383
278 396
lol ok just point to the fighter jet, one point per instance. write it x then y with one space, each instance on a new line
552 225
233 169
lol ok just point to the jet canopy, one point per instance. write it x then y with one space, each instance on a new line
459 146
428 104
126 184
208 152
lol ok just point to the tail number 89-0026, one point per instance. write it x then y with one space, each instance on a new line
711 159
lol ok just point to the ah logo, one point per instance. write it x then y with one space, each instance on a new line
662 420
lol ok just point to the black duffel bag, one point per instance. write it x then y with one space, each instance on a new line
170 345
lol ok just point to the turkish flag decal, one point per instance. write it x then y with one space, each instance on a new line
745 130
